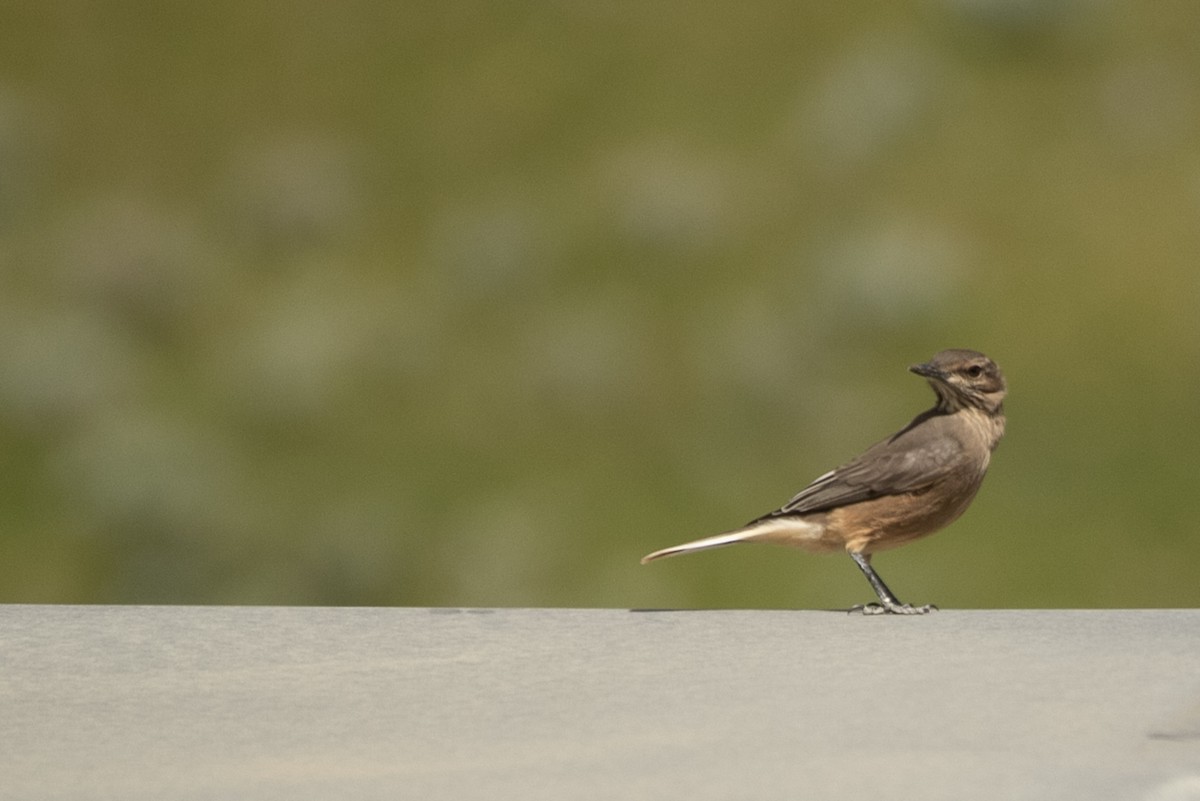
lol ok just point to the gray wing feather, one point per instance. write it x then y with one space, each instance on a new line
907 462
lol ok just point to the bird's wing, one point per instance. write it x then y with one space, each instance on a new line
903 463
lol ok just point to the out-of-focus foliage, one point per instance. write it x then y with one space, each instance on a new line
475 303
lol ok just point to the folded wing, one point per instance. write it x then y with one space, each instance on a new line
897 465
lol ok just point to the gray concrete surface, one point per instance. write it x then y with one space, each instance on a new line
297 703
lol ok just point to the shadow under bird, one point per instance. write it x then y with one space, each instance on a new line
909 485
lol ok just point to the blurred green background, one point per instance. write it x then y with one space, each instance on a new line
464 303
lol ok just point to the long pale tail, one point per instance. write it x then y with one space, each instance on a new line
719 541
782 530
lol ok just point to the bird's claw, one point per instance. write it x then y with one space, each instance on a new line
893 609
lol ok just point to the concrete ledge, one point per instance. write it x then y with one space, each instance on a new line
294 703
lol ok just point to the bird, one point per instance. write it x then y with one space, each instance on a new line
907 486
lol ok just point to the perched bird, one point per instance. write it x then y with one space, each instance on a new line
911 484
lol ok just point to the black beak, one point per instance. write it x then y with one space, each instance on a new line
928 371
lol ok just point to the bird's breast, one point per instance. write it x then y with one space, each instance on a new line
893 520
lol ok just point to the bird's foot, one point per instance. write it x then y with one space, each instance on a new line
893 608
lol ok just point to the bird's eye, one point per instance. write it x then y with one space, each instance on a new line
974 371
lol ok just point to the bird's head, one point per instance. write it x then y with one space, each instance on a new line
964 378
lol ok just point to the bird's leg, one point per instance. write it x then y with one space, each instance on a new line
888 602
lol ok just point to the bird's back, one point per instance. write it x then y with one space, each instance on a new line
913 459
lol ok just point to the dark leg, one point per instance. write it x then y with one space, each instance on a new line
888 602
